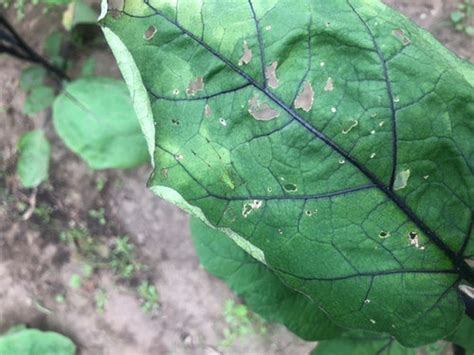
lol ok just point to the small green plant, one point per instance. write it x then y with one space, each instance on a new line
462 16
81 239
100 301
98 215
123 260
240 323
43 211
149 296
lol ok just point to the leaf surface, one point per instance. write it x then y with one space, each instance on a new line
260 288
34 154
362 343
346 167
35 342
95 118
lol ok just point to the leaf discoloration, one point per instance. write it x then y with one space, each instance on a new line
305 98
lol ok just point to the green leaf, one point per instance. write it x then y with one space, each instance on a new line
33 162
88 68
457 16
285 124
52 45
52 48
35 342
32 77
78 12
261 289
39 99
464 335
362 343
95 119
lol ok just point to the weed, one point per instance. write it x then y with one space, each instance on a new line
100 183
43 212
75 281
123 258
149 296
100 301
99 216
240 322
81 239
461 17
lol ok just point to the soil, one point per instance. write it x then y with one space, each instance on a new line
36 266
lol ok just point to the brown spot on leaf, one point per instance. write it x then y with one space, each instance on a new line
195 86
149 33
207 111
164 172
270 75
261 112
401 36
329 85
247 56
305 98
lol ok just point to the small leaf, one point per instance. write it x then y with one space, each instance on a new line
95 118
261 289
457 16
52 45
31 77
78 12
33 163
39 99
24 341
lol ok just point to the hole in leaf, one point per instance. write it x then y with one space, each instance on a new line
290 187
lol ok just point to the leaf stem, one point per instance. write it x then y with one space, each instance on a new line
13 44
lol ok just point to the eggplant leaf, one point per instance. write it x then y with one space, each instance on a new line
95 119
332 140
248 277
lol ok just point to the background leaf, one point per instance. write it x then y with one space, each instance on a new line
262 290
31 77
24 341
39 99
33 162
95 118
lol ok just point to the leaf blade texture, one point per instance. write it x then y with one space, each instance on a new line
351 179
95 119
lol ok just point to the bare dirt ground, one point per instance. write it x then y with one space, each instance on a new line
36 266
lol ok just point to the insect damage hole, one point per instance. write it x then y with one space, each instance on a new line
384 235
250 207
415 240
246 56
305 98
149 33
